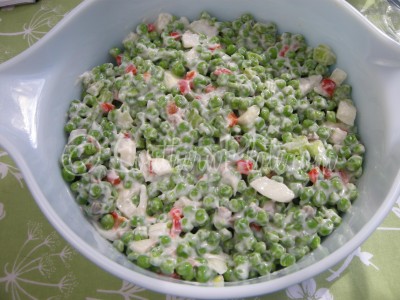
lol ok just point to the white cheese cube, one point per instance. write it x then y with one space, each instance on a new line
190 40
158 229
170 80
249 116
142 246
346 112
337 136
192 57
162 21
123 119
338 76
203 26
160 166
307 84
125 149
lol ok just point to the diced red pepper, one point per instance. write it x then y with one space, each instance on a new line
313 175
220 71
113 178
117 219
114 215
190 75
244 166
151 27
172 108
214 47
146 76
326 172
131 69
176 214
151 168
127 135
232 119
107 107
175 35
283 51
345 176
328 85
210 88
118 59
184 86
255 227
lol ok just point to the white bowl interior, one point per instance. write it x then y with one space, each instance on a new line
37 87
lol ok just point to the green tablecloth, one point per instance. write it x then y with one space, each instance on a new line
36 263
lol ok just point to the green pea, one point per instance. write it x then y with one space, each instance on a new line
354 163
203 273
165 240
236 204
343 204
319 198
95 190
107 221
225 191
326 228
201 216
143 261
67 175
119 245
168 266
185 269
277 250
178 69
287 259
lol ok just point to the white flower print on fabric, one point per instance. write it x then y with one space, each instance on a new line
365 258
34 268
44 19
308 290
6 169
2 211
128 291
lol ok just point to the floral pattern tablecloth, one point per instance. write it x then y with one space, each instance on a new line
36 263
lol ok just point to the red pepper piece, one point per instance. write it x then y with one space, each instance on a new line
326 172
172 108
328 85
118 59
255 227
184 86
175 35
244 166
345 176
220 71
146 76
107 107
113 178
131 69
151 27
232 119
176 214
190 75
214 47
210 88
313 175
283 51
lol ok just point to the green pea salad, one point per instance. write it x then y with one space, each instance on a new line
214 151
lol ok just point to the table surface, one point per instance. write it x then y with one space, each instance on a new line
37 263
